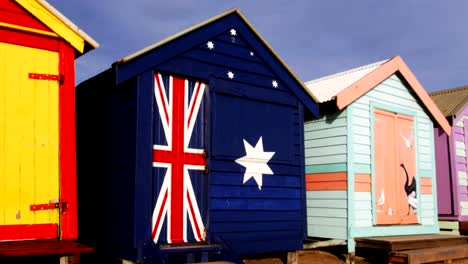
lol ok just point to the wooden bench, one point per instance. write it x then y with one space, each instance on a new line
34 248
429 255
411 248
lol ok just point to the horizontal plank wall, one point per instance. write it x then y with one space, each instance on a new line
326 176
393 94
459 141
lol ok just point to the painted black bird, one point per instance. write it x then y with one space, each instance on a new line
410 190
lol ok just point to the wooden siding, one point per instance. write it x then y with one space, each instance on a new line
362 182
464 207
326 181
228 195
249 219
325 140
327 214
459 138
106 156
362 209
394 94
425 185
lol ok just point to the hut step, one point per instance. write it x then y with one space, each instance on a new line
189 248
429 255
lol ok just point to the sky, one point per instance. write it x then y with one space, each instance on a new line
314 37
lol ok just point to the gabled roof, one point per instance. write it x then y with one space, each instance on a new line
326 88
161 51
59 24
451 101
348 86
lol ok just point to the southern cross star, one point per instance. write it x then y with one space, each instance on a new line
274 83
233 32
255 162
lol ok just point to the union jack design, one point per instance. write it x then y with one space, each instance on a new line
176 200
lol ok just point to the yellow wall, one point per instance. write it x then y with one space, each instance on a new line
29 135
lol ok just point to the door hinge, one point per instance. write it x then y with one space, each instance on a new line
47 77
62 206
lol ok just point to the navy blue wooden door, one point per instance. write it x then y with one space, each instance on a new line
255 164
179 187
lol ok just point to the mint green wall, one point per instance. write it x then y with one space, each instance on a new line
391 95
325 151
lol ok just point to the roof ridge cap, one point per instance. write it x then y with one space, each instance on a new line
359 68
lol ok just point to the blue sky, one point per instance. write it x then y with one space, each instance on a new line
315 38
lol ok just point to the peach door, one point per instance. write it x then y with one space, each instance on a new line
406 169
395 168
384 167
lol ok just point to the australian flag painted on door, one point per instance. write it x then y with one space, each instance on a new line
195 140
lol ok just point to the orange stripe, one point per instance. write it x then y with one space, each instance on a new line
426 185
326 177
362 182
326 186
362 187
425 181
426 189
362 178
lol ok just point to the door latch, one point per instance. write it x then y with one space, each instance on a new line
62 206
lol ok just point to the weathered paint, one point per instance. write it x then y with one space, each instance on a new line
29 135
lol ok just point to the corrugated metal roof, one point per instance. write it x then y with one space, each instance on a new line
451 101
326 88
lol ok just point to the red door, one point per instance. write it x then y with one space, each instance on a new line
395 168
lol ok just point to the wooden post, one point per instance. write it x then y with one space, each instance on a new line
292 257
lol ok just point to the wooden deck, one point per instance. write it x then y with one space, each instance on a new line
413 249
34 248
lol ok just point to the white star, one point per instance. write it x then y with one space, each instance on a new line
233 32
210 45
255 162
230 75
251 53
274 83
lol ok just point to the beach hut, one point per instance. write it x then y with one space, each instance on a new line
451 164
370 156
38 46
193 144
